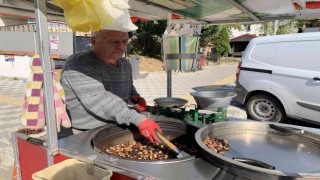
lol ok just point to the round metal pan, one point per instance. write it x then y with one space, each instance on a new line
264 150
170 102
174 131
212 100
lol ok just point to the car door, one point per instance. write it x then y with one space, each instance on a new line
296 77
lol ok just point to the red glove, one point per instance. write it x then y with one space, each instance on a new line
140 103
148 128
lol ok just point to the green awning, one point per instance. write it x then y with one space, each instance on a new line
226 11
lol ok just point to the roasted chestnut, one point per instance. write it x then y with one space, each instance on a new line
147 150
217 145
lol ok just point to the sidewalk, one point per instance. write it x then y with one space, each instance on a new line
152 86
11 98
218 77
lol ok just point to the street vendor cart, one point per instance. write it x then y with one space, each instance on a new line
255 150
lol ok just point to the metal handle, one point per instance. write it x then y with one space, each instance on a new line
316 78
168 143
290 130
257 163
37 142
254 162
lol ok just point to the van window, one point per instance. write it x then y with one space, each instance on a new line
265 52
299 55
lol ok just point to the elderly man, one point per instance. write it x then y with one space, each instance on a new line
98 85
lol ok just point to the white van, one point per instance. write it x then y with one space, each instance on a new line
279 77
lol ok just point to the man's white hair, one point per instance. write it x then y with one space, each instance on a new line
95 34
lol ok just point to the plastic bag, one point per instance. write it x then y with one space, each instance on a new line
84 15
93 15
119 13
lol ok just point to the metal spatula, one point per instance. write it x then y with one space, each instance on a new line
180 154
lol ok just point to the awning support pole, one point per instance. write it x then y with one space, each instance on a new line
275 27
169 71
243 9
16 155
43 44
169 83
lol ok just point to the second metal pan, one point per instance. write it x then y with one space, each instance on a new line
170 102
290 150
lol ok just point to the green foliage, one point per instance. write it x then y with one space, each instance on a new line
208 34
222 46
234 26
147 39
285 26
15 78
217 35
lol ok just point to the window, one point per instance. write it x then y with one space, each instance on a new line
265 53
300 55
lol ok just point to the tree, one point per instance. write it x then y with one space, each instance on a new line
217 35
208 34
286 26
222 46
147 39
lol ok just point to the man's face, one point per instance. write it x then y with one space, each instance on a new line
110 44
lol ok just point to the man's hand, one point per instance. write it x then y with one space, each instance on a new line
139 103
148 128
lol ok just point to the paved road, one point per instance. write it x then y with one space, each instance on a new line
155 84
151 86
10 91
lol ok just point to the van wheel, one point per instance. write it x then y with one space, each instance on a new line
263 107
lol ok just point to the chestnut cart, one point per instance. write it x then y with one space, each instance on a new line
34 155
293 152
